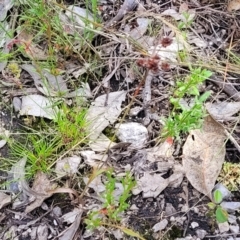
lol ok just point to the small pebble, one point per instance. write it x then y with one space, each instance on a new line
196 210
232 219
234 228
160 226
169 210
230 206
223 227
201 233
132 132
194 225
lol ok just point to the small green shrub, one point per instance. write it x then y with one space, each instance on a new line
184 118
112 208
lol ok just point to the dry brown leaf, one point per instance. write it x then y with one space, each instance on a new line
40 190
223 111
233 5
32 50
70 232
203 155
4 200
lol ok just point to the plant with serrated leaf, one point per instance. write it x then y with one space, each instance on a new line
183 117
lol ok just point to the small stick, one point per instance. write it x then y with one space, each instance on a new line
127 6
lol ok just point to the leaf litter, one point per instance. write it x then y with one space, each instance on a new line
203 155
157 169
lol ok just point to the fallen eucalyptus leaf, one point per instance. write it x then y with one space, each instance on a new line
104 110
96 184
71 216
41 190
203 155
93 159
38 106
70 232
151 185
5 5
42 232
29 48
223 111
45 82
101 144
4 200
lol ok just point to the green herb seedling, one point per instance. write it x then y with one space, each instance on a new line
182 119
215 207
112 208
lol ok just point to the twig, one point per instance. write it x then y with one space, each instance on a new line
127 6
227 88
185 189
146 96
232 139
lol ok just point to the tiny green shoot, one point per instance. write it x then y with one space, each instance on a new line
112 208
216 209
184 118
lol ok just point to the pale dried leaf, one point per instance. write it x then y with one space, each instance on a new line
42 189
96 184
71 216
233 5
79 15
176 178
163 151
183 7
4 200
197 41
173 13
3 31
18 184
223 110
38 106
45 82
70 232
16 175
137 32
67 166
83 91
42 232
5 5
93 159
118 234
76 19
4 41
151 185
101 144
2 143
100 116
203 155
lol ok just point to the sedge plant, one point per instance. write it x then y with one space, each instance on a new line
43 145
